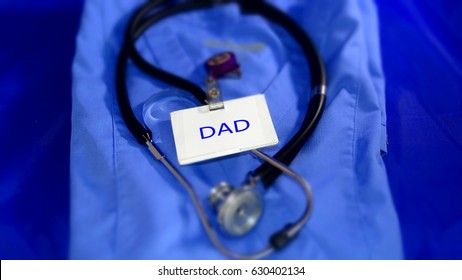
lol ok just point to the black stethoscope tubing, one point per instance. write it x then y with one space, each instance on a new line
149 14
144 18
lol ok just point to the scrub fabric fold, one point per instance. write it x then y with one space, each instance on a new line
125 205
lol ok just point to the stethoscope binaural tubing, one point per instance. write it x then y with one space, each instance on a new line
267 172
144 18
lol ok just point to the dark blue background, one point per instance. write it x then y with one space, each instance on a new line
421 51
421 44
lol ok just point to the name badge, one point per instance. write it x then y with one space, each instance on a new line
244 124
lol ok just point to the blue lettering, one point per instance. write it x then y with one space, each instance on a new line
239 126
236 127
207 127
223 128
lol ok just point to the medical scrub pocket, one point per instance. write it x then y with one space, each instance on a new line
125 205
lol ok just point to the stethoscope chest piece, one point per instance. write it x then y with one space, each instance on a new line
238 210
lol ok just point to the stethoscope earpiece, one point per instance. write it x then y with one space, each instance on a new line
238 209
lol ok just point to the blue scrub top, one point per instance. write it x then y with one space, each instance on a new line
126 205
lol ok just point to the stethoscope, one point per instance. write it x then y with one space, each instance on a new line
238 209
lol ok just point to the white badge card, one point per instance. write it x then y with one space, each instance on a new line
244 124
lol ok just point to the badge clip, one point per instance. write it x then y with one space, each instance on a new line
214 96
220 65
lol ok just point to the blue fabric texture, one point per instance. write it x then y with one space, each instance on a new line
125 205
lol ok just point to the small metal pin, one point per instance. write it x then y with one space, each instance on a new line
214 92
